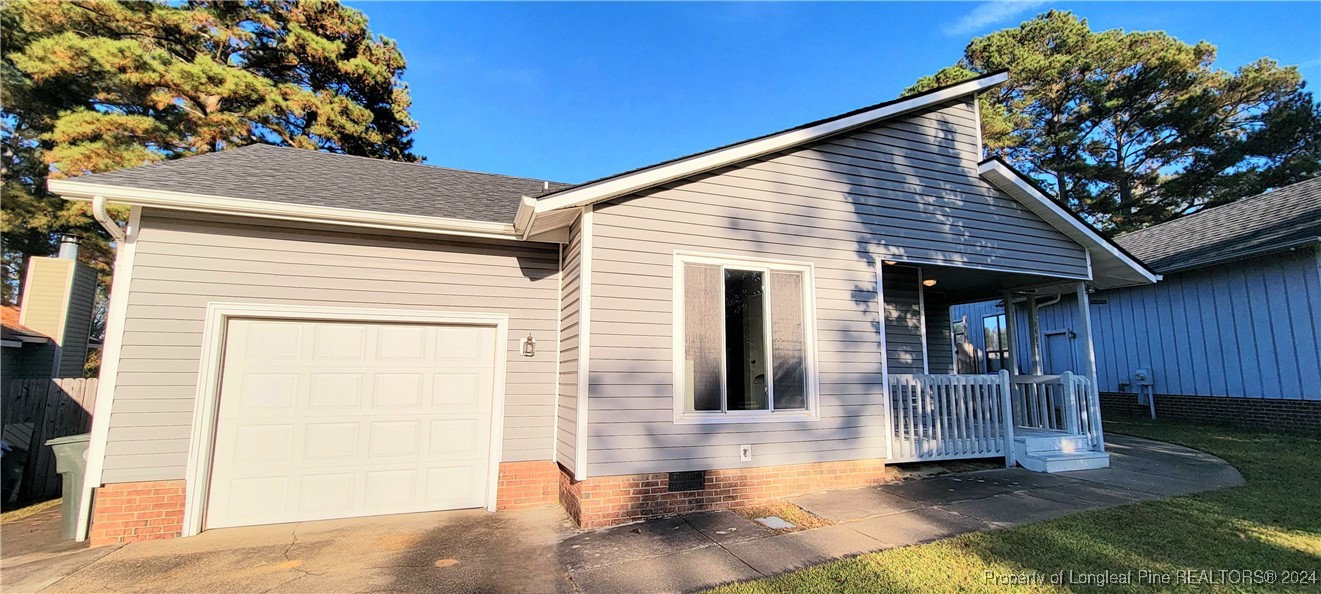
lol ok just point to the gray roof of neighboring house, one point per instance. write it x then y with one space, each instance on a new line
281 174
1261 224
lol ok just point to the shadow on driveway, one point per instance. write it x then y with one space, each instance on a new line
457 551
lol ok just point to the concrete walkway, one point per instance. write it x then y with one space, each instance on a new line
702 550
538 550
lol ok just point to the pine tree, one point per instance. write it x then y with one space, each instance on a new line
1137 128
92 85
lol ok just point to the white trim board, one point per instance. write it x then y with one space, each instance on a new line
582 399
612 187
116 316
206 403
1127 271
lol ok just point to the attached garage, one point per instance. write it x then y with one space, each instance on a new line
323 418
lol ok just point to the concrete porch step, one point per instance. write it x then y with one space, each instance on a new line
1064 461
1047 442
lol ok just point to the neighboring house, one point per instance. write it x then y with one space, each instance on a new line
48 335
296 335
1231 334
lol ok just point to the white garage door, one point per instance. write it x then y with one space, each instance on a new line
325 420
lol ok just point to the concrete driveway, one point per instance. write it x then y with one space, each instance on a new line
539 550
459 551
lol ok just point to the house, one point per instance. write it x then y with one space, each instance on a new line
296 335
1231 335
48 334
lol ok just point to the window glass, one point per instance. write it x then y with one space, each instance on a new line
702 337
745 340
788 348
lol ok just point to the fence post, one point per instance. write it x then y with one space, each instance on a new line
1006 410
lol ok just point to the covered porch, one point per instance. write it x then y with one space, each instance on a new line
946 405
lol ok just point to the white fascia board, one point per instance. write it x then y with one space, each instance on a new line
525 217
1009 182
71 189
653 176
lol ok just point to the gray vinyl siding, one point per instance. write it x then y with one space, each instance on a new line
906 190
903 319
940 337
183 263
566 435
78 324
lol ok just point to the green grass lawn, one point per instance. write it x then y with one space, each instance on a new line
1271 523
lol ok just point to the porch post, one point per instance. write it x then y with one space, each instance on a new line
1089 360
1011 333
1034 334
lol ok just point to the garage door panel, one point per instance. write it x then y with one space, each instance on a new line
397 422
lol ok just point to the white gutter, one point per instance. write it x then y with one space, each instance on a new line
76 190
101 216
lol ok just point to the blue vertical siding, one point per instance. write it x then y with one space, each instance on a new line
1249 329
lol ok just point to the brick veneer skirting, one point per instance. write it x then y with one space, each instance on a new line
598 502
129 512
527 484
1295 416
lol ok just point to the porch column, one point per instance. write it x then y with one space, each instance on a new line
1011 333
1034 334
1089 358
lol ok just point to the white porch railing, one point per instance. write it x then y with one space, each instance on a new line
1062 403
947 417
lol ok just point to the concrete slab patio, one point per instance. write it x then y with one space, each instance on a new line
539 551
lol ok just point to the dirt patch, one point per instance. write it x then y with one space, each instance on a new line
799 517
919 470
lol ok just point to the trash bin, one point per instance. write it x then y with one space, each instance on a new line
71 463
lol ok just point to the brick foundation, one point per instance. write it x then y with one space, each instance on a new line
130 512
598 502
527 484
1294 416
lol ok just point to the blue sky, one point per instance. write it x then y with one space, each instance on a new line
576 91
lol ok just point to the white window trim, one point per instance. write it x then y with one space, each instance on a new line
812 412
205 414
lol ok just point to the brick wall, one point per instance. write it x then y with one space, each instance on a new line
526 484
129 512
1294 416
598 502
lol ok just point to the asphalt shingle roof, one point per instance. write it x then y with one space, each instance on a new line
299 176
1253 225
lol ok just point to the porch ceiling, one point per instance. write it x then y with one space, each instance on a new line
967 285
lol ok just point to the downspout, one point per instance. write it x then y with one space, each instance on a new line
101 216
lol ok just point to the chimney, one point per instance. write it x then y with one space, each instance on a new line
69 247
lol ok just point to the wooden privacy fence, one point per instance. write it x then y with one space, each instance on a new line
35 410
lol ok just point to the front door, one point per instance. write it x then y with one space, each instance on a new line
1059 352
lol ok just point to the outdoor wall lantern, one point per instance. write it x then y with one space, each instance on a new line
529 346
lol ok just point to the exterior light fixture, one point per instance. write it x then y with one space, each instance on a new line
529 346
931 282
889 262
